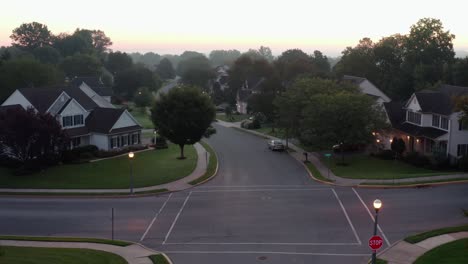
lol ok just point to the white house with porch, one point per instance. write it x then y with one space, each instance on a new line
86 117
429 123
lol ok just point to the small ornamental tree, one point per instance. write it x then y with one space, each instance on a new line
183 115
26 135
398 146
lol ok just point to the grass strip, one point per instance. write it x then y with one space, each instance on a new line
212 165
310 166
415 182
159 259
437 232
36 255
68 239
455 252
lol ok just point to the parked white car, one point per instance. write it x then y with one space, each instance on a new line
276 145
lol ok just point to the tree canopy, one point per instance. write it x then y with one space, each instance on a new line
165 69
196 70
31 35
183 115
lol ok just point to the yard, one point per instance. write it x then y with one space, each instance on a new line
140 114
150 167
27 255
455 252
267 130
366 167
235 118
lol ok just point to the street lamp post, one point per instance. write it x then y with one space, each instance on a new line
377 206
155 137
130 156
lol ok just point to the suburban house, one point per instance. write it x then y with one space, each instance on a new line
368 88
86 116
428 123
249 87
221 79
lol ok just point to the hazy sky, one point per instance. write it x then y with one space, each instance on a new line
172 26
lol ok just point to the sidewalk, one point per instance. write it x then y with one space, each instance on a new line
182 184
314 158
406 253
133 254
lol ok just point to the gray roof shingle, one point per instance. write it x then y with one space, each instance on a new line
94 83
41 98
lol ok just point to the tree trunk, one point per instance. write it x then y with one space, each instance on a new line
181 146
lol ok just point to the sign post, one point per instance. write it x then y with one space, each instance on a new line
328 155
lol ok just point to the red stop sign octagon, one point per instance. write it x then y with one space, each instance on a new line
375 242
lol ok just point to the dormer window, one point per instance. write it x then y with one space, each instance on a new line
440 121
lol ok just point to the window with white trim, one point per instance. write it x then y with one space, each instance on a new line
414 117
462 125
124 140
78 120
444 123
462 149
435 120
67 121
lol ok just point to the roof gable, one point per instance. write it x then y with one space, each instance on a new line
17 98
71 107
41 98
105 120
413 104
434 102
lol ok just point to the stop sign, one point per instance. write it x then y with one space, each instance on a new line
375 242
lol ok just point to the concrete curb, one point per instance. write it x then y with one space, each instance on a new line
214 173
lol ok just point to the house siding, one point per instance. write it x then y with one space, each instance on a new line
456 136
17 98
125 120
100 141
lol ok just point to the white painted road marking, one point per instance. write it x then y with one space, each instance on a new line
268 252
347 217
175 220
155 217
372 217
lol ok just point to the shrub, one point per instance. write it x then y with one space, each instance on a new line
250 124
117 152
161 142
463 163
414 158
79 153
385 154
9 162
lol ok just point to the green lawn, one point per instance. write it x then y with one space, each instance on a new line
151 167
142 117
235 118
437 232
68 239
158 259
316 172
455 252
31 255
366 167
266 129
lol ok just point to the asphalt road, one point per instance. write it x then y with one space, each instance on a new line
262 207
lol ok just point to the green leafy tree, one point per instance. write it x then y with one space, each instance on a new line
460 68
47 54
183 115
143 97
81 65
128 81
462 106
26 72
165 69
195 71
31 35
97 38
223 57
358 61
70 45
118 61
